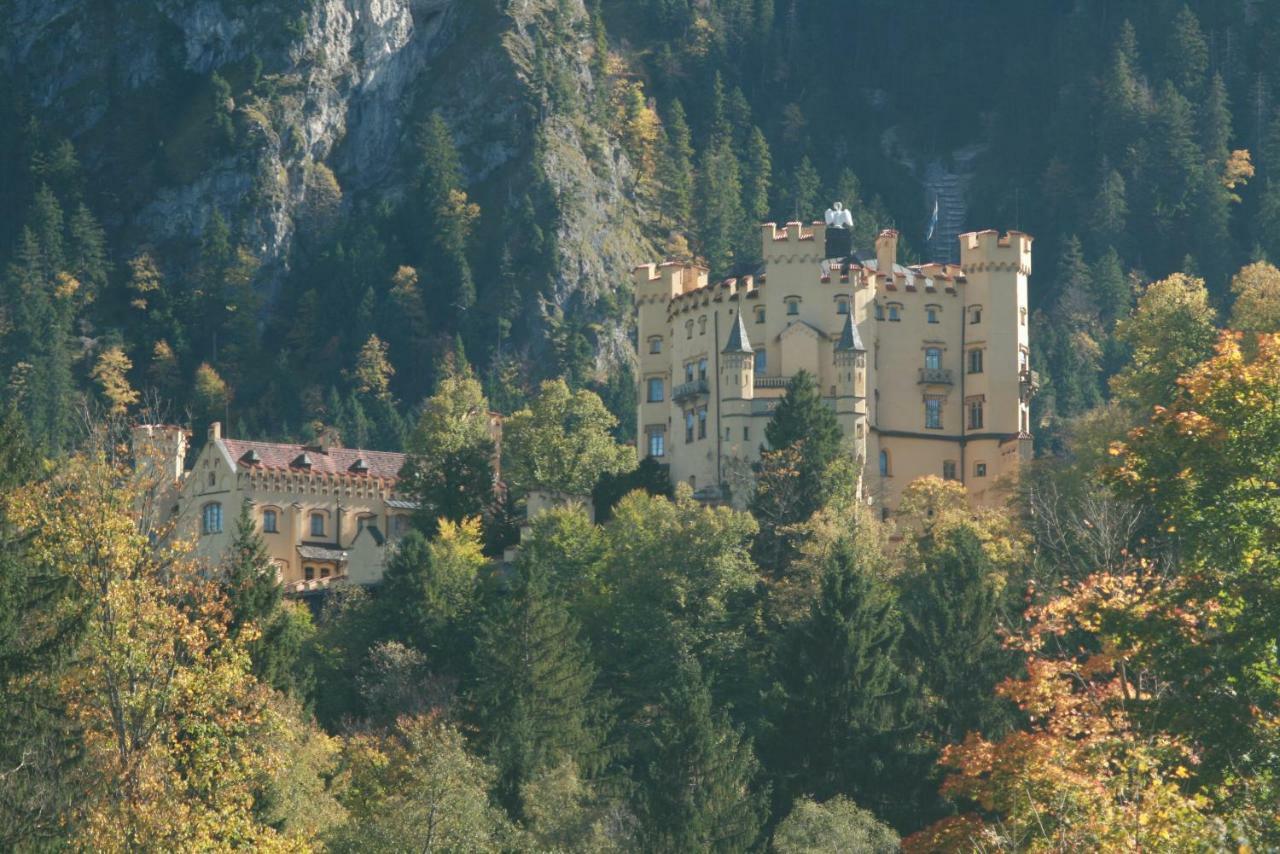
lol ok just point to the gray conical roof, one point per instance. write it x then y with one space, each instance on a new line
849 340
738 340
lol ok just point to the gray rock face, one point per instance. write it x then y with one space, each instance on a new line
348 81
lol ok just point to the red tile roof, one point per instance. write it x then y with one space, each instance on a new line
332 461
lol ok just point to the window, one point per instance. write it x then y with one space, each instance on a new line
1026 421
317 524
879 312
269 522
975 415
746 434
975 361
884 463
895 312
931 313
979 469
324 572
933 413
688 372
975 314
728 435
1024 360
655 345
842 306
1022 314
211 519
309 573
688 426
933 358
793 306
399 524
948 469
213 479
655 389
657 443
702 369
760 315
761 361
702 325
688 329
702 423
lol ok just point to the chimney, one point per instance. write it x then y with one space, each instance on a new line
886 252
215 430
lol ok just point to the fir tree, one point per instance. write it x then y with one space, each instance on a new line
447 217
251 584
676 170
697 774
952 610
532 694
843 694
720 215
1110 208
757 178
1186 59
805 187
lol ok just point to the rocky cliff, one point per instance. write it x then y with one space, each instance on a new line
320 99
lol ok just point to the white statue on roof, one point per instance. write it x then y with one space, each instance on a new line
838 217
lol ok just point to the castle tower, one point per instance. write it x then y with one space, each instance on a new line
737 363
996 364
850 358
655 287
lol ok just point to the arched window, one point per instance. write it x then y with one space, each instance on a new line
269 522
213 479
702 325
317 524
211 519
884 464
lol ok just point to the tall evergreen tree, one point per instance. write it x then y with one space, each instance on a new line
532 693
255 598
844 697
952 609
1186 59
720 212
447 217
676 170
697 774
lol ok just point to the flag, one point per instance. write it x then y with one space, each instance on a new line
933 220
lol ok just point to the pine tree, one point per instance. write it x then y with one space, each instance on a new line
1122 94
844 697
1110 210
532 693
1110 289
757 178
697 774
952 610
1215 123
675 170
447 216
1176 171
252 587
804 439
1186 59
720 212
806 185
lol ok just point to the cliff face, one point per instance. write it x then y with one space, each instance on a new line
317 90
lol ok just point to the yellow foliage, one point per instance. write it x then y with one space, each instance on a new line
111 375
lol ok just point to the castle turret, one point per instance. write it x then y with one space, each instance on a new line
737 366
886 252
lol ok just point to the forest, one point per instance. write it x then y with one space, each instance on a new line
1092 667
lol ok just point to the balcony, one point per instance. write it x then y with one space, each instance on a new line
1028 384
684 391
771 382
935 376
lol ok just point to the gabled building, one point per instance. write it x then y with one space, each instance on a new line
926 366
326 513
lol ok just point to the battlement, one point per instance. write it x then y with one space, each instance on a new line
990 251
668 280
746 286
792 232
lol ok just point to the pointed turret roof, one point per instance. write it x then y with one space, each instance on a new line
738 340
849 340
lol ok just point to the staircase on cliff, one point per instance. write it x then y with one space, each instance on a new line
948 181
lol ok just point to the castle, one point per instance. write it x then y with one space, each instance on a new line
927 367
325 513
